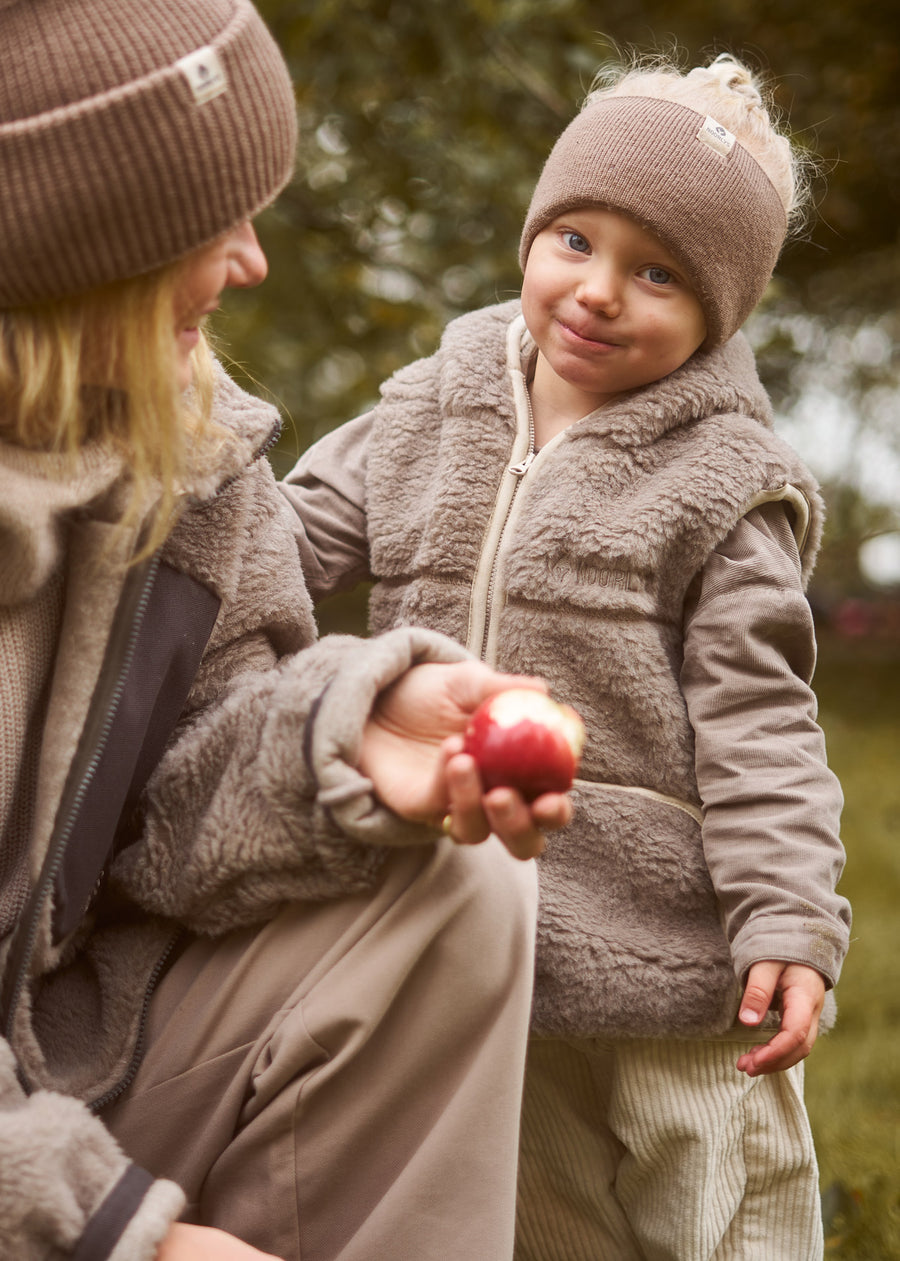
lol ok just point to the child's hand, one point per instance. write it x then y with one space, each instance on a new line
802 991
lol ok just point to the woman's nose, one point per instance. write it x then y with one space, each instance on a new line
247 264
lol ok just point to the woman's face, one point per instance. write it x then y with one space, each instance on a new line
233 261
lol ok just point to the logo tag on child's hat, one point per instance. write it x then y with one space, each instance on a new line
205 74
716 136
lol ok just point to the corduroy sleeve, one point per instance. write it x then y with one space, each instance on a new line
771 805
326 490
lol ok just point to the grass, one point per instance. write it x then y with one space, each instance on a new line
853 1075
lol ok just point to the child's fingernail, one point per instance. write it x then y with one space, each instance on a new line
749 1017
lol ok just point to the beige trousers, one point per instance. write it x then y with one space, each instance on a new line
345 1082
663 1151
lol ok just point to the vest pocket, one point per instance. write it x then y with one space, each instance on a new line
629 938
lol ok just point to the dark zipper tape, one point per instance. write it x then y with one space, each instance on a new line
175 628
91 809
127 619
127 625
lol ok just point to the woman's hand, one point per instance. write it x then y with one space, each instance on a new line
412 753
203 1243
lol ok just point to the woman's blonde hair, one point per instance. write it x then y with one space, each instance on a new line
99 367
732 94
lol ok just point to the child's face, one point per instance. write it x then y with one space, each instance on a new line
608 306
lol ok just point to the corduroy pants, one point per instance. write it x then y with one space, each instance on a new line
663 1151
344 1084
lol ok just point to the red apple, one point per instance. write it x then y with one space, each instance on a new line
522 739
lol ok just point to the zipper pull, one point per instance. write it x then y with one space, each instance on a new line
519 470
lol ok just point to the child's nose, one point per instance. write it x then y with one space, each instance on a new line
601 288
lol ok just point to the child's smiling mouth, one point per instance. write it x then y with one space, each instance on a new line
590 337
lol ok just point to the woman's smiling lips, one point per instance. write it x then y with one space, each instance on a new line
190 333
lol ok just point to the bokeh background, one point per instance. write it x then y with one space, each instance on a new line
424 124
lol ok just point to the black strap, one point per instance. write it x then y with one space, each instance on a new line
106 1227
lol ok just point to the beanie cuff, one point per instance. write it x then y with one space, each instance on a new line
113 184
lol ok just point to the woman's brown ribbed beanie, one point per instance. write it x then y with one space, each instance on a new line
131 132
686 179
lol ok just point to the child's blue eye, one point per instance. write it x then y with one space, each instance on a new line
576 242
658 275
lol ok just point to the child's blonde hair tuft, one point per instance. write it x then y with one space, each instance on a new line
735 96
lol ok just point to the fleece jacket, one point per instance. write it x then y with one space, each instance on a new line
239 794
650 562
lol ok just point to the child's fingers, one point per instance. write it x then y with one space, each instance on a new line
794 1040
759 991
786 1048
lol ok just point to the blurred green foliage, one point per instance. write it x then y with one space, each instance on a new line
424 126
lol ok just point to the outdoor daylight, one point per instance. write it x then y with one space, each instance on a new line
422 129
449 630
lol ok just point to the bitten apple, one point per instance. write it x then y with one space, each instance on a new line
523 739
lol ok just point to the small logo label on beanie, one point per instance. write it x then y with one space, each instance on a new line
205 74
716 136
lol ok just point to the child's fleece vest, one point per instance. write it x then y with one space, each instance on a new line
606 538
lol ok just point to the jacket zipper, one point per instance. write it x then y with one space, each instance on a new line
263 449
519 472
137 1055
180 933
485 581
142 579
486 600
140 583
492 550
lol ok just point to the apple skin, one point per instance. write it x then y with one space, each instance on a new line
523 739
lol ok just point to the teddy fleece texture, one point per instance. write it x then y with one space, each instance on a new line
588 564
256 800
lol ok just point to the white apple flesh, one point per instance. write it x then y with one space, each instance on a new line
523 739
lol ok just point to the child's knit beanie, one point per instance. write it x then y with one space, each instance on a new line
132 132
686 179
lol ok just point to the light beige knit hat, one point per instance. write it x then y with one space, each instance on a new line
685 178
131 132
